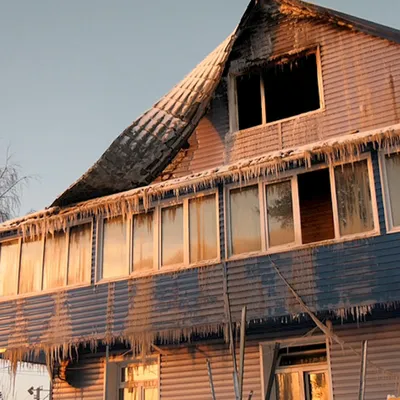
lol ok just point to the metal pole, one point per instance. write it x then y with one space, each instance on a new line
363 372
210 377
272 373
107 377
38 389
242 348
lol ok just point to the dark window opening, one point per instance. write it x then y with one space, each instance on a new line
291 88
316 206
249 100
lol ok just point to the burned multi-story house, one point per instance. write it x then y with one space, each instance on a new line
267 181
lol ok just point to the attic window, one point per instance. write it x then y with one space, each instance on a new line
283 89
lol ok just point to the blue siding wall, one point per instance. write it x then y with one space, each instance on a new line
340 278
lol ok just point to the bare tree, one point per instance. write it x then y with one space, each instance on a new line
11 185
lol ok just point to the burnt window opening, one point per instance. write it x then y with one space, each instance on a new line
282 90
316 212
249 100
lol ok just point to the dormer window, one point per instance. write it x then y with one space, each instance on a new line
282 89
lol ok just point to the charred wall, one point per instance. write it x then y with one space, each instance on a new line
360 76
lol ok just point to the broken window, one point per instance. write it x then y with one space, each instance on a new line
302 373
316 212
203 228
249 100
392 166
354 198
245 232
31 266
281 90
55 261
9 261
172 235
80 254
139 382
143 242
115 248
280 214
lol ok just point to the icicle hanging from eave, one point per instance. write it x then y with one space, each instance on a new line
345 148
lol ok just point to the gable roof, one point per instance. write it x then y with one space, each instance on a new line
143 150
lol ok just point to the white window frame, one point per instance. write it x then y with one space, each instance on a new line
292 342
233 98
99 249
42 239
157 239
186 231
390 227
138 362
291 175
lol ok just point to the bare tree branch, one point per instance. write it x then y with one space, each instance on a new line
11 186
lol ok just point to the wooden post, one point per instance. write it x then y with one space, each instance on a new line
210 378
242 348
363 372
272 373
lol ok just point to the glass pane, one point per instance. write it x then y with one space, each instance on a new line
354 198
203 228
115 248
55 261
139 372
245 220
393 173
150 394
143 242
280 214
317 386
31 266
172 235
288 386
9 255
130 394
80 254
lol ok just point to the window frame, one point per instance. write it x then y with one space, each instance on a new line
233 98
139 362
19 238
100 249
184 200
387 206
297 341
157 239
292 176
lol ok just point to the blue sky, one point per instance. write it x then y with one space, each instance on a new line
74 74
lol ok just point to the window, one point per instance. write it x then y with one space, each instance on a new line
80 254
354 198
324 204
9 260
143 242
139 382
55 261
245 232
280 214
391 169
203 228
115 248
172 235
301 371
282 89
316 211
31 266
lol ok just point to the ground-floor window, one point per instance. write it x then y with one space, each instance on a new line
139 381
301 372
